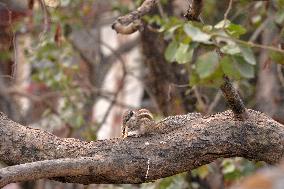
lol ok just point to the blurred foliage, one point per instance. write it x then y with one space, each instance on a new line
55 68
237 168
53 61
184 37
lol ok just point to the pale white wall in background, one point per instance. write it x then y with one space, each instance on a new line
132 92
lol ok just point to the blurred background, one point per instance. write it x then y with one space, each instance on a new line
64 70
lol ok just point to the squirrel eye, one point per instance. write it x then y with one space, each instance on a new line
128 116
131 113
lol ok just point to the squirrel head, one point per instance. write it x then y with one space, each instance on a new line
136 115
127 116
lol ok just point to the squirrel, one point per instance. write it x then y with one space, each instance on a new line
141 122
137 122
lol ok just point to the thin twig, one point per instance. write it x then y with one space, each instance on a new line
201 104
46 17
107 95
7 76
15 64
180 85
214 102
120 85
251 44
241 11
258 31
43 98
160 8
227 13
114 51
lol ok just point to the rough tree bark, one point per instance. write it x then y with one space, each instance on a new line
186 144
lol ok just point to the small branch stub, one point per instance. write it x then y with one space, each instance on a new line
234 100
132 22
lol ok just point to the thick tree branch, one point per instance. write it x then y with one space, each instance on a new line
48 169
187 141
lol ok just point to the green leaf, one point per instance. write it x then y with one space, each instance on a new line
229 68
231 49
166 182
207 64
215 80
207 28
246 70
236 30
233 175
228 167
173 182
222 24
277 57
196 34
203 171
248 54
279 17
169 30
174 28
183 53
280 4
170 52
233 29
193 79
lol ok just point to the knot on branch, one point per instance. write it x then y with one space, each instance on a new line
127 28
